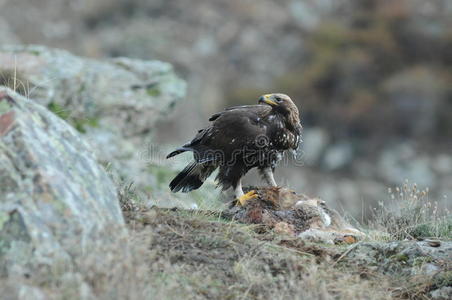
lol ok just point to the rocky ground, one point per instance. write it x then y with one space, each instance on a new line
69 146
203 256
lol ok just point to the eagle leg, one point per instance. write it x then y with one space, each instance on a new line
240 196
248 196
268 176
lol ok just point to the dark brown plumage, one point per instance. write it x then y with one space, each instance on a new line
238 139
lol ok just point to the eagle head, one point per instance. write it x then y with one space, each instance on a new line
281 103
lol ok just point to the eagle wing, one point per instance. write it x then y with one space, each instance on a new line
251 110
231 129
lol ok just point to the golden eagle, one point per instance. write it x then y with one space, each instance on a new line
238 139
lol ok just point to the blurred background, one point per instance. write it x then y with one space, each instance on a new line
373 78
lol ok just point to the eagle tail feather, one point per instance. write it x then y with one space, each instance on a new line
191 177
178 151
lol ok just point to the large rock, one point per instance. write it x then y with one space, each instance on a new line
403 257
54 197
114 103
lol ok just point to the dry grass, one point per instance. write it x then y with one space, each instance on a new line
15 81
410 214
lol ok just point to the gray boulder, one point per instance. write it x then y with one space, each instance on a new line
54 197
404 258
424 261
114 103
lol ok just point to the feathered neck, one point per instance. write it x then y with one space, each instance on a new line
291 118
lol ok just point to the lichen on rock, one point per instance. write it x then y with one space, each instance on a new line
52 189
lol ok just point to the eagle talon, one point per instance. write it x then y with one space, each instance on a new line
248 196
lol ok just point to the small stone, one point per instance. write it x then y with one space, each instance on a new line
349 239
442 293
346 239
433 243
429 269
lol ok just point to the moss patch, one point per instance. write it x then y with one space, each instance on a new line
4 107
58 110
81 124
12 229
153 91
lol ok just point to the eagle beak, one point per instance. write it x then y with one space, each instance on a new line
266 99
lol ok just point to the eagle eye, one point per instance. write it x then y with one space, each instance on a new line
278 99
